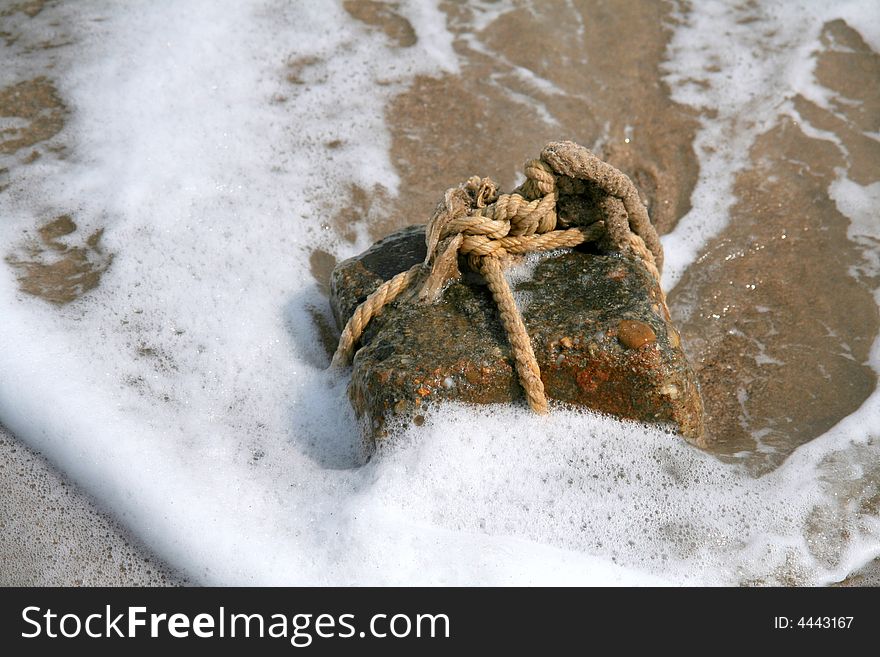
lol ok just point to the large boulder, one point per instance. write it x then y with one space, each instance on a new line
599 332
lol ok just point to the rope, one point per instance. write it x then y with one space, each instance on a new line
476 222
374 303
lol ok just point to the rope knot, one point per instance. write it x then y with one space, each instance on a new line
474 221
482 190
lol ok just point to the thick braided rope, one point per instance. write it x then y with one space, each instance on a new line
476 222
526 363
354 328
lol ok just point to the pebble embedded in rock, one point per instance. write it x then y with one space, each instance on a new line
633 334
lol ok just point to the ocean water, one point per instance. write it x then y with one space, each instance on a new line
207 151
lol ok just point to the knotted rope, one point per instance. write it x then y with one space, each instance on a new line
475 221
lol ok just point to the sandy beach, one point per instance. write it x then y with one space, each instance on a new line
202 336
54 534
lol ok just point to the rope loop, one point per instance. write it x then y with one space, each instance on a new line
477 222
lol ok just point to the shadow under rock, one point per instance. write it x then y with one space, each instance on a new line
328 431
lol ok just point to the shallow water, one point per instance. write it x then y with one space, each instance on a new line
176 182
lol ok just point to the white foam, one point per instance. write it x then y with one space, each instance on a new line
188 394
861 205
486 12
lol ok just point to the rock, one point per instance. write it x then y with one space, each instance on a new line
596 323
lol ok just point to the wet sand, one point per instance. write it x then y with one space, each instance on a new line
776 325
54 534
772 308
